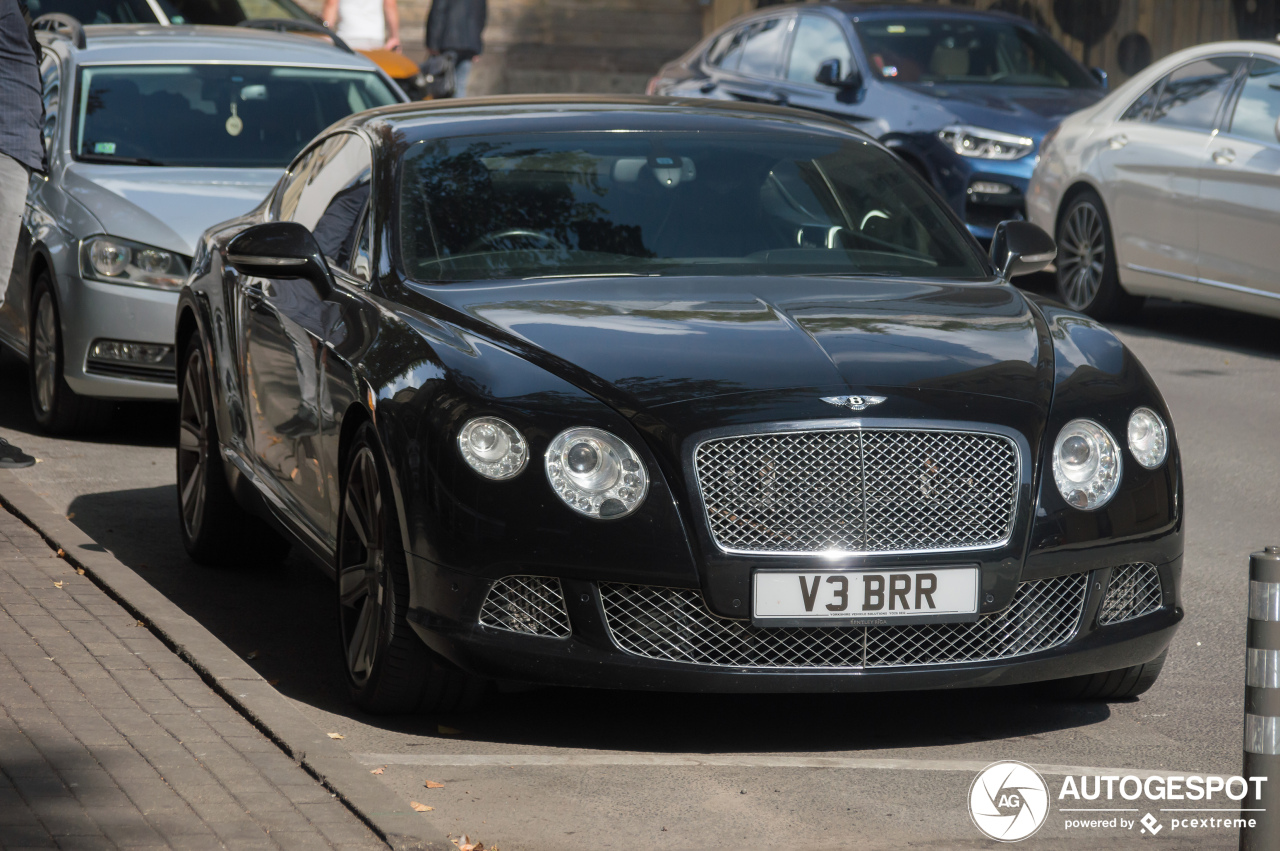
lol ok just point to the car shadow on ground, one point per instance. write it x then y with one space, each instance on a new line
285 614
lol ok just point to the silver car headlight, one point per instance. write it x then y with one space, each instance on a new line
123 261
985 144
1086 464
596 473
1148 438
493 448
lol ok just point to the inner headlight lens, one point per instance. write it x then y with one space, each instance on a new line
596 473
1086 464
981 143
122 261
1148 438
493 448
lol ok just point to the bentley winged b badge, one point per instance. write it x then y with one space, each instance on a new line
856 403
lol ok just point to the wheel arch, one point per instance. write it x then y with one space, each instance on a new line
1075 190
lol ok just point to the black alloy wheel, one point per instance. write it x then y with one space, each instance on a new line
1088 280
389 668
57 408
215 529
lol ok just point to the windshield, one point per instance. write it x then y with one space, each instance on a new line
221 12
921 49
245 116
669 203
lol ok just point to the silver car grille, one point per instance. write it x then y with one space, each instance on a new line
674 625
533 605
859 490
1134 591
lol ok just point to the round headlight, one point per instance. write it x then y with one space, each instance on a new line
108 258
493 447
1086 464
1148 438
596 473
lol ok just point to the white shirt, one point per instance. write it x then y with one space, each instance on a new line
361 24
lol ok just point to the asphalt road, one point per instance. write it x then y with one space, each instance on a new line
561 769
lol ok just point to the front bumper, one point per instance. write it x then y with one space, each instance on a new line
446 608
93 311
955 177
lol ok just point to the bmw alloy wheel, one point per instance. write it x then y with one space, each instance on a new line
44 352
362 581
1082 256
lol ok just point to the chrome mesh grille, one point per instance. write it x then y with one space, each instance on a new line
858 490
1134 591
673 624
533 605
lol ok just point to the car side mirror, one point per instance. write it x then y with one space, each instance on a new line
280 250
1020 248
829 75
1101 77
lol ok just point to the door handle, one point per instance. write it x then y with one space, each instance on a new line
1118 141
708 87
779 98
1224 156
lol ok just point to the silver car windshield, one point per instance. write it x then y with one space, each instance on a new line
922 49
212 115
670 203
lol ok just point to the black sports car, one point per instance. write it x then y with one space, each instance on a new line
643 392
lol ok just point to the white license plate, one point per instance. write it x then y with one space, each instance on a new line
865 597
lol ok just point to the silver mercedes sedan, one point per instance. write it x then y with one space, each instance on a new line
1170 186
153 134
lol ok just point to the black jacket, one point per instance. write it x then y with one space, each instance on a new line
455 26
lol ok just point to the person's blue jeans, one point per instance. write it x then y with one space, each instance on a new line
461 73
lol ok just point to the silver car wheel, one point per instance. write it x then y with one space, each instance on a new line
1082 256
193 443
44 352
361 569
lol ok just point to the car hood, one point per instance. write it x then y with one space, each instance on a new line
1032 110
664 341
163 206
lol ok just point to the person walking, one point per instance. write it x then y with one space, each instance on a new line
21 149
364 24
454 28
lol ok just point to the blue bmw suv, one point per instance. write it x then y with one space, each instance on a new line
963 96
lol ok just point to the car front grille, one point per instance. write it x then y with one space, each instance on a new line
1134 591
674 625
859 490
533 605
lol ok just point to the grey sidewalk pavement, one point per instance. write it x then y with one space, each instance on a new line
109 740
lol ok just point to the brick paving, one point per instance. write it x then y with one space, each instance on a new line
109 740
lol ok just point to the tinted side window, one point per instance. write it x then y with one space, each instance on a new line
1194 92
1259 106
719 47
51 92
817 40
328 192
763 50
1140 109
732 51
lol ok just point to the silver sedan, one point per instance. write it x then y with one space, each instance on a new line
153 134
1170 186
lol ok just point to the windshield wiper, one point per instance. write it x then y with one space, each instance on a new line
117 160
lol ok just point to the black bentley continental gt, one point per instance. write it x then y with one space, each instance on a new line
654 393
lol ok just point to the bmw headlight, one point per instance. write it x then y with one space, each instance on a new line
596 473
493 448
985 144
122 261
1086 464
1148 438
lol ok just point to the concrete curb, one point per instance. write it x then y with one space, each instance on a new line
232 678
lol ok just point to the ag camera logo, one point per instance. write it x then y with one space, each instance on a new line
1008 801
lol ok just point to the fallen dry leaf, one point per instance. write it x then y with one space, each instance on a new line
62 553
80 570
71 516
252 654
273 682
464 843
431 784
447 731
336 736
379 770
420 808
140 623
57 584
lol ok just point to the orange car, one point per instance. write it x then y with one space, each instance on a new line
282 15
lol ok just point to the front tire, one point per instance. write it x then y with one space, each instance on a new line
215 529
57 408
389 669
1088 279
1121 684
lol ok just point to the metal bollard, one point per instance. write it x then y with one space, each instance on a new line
1262 703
